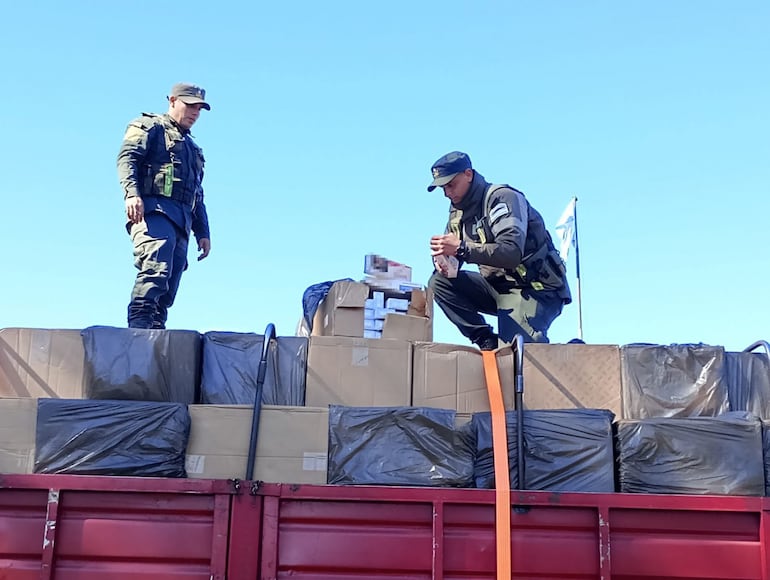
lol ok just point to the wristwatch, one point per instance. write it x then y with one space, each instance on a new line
462 251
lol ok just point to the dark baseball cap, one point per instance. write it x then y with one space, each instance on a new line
447 167
190 94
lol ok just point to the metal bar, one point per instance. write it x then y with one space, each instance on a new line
268 566
261 373
518 371
245 537
764 538
114 483
605 562
438 541
763 343
219 537
577 277
49 534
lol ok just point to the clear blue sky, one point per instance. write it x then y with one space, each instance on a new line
326 118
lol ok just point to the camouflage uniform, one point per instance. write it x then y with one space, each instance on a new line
521 277
160 162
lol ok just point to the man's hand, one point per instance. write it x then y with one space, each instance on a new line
204 247
134 209
445 245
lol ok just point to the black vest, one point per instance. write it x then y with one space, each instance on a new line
174 163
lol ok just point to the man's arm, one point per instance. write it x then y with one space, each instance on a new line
200 226
133 152
508 215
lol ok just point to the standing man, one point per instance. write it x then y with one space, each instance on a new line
161 172
521 276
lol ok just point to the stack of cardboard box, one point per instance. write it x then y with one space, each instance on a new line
401 368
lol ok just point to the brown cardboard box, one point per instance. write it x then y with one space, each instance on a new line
342 314
36 362
358 372
292 443
572 376
450 376
407 327
18 421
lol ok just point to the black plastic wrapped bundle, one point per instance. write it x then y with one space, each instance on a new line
692 455
564 450
231 361
678 380
132 438
142 365
413 446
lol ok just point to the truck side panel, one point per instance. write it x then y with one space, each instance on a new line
90 528
370 533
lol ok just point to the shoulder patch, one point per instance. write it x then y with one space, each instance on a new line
134 133
499 210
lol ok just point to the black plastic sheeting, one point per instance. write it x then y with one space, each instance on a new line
692 455
231 361
131 438
414 446
678 380
142 365
748 382
312 298
564 450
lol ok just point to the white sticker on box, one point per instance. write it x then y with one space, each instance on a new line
313 461
195 463
360 356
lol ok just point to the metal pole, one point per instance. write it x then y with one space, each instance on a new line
760 343
261 373
577 273
518 372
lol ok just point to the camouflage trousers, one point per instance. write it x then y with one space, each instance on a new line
468 297
160 255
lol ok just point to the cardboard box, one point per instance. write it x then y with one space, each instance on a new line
18 421
572 376
292 443
358 372
450 376
341 313
36 362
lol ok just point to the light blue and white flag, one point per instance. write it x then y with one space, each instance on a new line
565 229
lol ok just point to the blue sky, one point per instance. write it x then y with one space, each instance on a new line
326 118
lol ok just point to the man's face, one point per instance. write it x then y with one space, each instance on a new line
456 189
184 114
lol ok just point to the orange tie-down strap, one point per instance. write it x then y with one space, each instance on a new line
502 475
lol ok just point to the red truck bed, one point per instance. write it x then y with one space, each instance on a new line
115 528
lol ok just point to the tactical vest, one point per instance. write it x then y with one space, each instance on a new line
174 163
541 266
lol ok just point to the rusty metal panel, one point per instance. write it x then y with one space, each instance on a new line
112 528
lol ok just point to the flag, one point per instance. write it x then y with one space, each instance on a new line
565 229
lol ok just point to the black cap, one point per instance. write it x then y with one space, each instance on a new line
447 167
190 94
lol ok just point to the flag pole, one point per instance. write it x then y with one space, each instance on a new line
577 274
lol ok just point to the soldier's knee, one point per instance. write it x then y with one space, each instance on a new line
432 281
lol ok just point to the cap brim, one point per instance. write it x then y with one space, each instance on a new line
194 101
441 181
